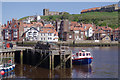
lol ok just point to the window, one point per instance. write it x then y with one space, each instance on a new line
50 34
77 54
86 54
41 38
80 54
83 54
29 33
89 54
70 36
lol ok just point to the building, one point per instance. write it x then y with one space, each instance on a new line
31 34
109 8
37 32
65 30
10 31
98 33
46 12
29 19
48 34
88 28
116 34
108 31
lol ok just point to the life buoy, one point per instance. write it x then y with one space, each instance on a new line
7 45
9 61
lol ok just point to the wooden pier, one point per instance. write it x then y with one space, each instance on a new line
51 59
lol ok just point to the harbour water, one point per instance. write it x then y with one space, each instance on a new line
104 65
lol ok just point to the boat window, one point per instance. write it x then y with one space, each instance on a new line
89 54
83 54
80 54
86 54
77 54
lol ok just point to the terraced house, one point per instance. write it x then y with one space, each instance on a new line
37 32
10 31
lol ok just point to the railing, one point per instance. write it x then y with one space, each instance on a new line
55 51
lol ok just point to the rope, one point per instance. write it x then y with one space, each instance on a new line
41 61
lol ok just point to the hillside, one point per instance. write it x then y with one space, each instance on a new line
98 18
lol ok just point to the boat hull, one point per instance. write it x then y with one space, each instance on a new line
82 61
7 69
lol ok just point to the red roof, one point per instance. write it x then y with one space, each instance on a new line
106 28
49 25
117 28
73 23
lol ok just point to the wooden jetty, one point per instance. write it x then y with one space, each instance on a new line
47 58
52 59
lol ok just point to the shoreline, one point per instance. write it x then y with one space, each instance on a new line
72 44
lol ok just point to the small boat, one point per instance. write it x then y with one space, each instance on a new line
6 67
82 57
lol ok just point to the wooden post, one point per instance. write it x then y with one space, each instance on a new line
64 61
50 73
13 55
71 59
61 61
1 55
7 54
52 61
21 57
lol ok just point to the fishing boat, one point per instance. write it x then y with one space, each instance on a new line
7 66
82 57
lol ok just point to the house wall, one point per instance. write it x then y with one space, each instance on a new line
31 34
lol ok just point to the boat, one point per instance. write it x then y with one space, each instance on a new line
82 57
6 67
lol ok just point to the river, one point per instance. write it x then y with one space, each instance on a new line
104 65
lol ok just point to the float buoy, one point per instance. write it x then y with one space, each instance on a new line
2 72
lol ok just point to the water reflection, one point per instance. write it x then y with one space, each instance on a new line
104 65
81 71
10 74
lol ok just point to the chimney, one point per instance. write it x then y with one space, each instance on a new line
12 19
7 22
10 22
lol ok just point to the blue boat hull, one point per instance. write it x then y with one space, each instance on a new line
8 69
82 61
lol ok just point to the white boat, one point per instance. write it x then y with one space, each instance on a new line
82 57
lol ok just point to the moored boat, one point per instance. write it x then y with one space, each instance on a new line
6 67
82 57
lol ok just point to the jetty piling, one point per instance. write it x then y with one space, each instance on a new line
52 59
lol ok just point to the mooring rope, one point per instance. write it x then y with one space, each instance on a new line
41 61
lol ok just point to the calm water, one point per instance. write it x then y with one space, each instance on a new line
104 65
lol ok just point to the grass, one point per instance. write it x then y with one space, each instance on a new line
98 18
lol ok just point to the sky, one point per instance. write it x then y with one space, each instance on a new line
18 10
